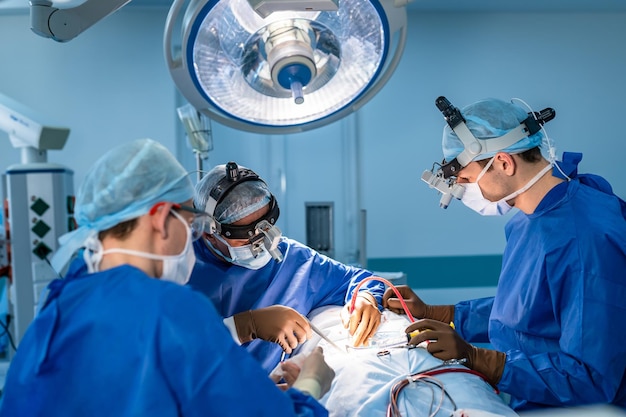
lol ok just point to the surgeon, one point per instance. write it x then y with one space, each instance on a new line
264 284
124 336
555 323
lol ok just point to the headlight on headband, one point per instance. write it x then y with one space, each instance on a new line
262 233
268 237
442 176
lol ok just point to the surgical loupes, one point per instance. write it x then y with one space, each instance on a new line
447 187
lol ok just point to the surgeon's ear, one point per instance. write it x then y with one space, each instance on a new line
159 215
506 162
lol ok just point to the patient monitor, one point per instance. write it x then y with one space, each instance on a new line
38 205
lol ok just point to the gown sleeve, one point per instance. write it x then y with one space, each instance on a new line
589 365
471 319
587 291
211 375
335 282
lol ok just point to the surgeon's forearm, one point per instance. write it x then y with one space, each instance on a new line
373 286
310 386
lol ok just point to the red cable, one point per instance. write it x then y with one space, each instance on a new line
390 285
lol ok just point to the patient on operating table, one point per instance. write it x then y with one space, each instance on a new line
387 378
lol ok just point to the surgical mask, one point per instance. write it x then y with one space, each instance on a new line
474 199
176 268
242 255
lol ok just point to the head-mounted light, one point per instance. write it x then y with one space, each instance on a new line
263 232
442 176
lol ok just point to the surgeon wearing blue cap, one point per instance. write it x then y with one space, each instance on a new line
265 284
556 322
120 335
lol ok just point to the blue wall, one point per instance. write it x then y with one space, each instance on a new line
444 271
111 85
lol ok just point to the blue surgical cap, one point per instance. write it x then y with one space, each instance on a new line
244 199
122 185
488 119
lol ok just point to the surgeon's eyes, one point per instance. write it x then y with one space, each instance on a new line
238 242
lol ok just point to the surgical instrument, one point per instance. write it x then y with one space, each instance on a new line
323 336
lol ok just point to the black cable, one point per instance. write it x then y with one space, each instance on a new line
58 273
6 327
8 333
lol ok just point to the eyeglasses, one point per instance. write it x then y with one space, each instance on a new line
199 222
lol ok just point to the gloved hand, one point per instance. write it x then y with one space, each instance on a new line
278 324
444 342
316 376
289 369
418 308
364 320
288 372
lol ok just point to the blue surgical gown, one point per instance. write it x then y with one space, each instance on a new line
303 280
560 304
119 343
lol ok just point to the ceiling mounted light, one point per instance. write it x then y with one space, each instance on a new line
283 66
266 66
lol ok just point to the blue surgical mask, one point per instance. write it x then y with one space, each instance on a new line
242 255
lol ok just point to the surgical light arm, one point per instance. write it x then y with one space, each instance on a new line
266 7
63 25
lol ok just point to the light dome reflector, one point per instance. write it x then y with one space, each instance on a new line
288 72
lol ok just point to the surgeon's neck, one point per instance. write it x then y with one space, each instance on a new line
530 199
143 239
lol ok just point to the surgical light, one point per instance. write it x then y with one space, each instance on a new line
283 66
266 66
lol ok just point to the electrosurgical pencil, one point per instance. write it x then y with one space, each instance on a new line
323 336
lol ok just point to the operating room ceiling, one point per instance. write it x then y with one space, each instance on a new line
417 5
